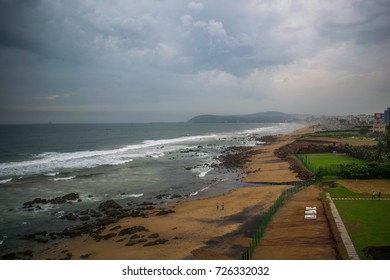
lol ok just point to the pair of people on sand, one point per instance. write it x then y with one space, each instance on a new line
222 206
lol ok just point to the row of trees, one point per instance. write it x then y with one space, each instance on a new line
371 170
377 153
376 161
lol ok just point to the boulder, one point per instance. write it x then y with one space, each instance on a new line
154 235
71 196
108 236
132 230
133 242
109 204
156 242
165 212
86 256
84 218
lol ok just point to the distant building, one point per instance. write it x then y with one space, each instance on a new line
387 117
379 127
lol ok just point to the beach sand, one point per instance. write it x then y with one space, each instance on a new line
196 229
265 167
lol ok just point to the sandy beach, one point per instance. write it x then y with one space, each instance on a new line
219 227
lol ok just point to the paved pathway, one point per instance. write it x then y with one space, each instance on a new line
289 236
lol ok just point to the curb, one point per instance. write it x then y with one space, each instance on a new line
351 251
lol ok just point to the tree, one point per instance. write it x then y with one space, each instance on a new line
384 146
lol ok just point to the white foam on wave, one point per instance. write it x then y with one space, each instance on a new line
46 208
157 155
197 192
63 178
52 174
133 195
203 172
2 240
5 181
47 162
121 162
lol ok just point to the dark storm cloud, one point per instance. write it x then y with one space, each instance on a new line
371 25
35 27
180 58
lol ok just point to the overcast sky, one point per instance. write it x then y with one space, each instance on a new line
168 60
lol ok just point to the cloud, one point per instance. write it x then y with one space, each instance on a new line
195 6
162 55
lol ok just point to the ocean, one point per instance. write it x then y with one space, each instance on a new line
129 163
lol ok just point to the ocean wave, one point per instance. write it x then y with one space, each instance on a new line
47 163
2 240
120 162
63 178
156 155
203 172
5 181
197 192
52 174
133 195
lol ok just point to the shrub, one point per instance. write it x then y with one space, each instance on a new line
372 170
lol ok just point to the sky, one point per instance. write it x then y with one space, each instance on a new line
80 61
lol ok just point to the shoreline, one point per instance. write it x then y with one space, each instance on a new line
191 229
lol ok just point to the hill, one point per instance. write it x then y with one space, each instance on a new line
271 116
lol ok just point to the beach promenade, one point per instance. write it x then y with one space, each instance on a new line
290 237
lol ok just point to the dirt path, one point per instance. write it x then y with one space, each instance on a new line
290 237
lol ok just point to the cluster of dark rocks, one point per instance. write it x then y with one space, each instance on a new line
231 158
235 157
18 255
34 204
266 140
95 221
169 196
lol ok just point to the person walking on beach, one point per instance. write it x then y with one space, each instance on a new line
217 205
223 206
373 195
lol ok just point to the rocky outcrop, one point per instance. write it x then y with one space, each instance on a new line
156 242
132 230
57 200
165 212
109 204
235 157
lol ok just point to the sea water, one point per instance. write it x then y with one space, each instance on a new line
129 163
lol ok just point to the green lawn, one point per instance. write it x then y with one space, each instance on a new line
367 222
329 161
341 191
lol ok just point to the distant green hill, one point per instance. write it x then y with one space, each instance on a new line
271 116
